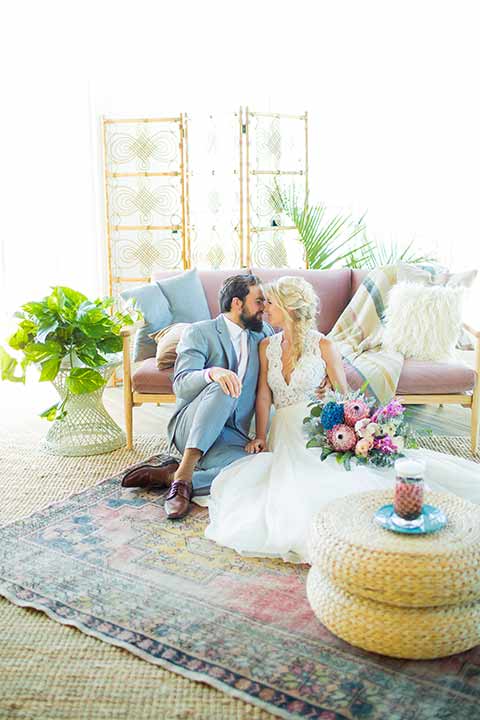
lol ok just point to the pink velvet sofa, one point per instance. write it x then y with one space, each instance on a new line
420 382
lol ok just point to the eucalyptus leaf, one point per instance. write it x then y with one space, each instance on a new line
316 411
313 443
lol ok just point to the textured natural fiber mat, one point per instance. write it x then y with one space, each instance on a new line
48 670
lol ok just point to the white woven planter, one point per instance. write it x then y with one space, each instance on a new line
87 428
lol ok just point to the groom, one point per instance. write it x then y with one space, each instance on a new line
215 381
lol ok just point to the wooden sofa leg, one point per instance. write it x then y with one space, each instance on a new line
475 421
127 392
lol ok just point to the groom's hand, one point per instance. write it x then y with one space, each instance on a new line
256 445
322 389
228 381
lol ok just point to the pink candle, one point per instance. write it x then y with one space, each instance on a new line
409 488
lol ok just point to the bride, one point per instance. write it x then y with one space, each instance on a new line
264 505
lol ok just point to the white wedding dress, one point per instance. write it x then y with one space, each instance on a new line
264 504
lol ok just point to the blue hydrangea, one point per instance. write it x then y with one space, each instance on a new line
332 414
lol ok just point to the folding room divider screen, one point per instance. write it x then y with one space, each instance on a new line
194 191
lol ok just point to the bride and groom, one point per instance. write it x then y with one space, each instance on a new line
263 493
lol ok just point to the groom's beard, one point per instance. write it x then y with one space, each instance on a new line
252 322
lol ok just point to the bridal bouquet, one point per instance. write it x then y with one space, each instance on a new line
352 427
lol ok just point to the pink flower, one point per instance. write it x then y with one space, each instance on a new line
355 410
342 438
393 409
363 446
385 445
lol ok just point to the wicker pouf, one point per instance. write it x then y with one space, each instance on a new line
412 633
410 596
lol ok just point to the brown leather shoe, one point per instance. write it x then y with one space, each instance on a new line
148 476
177 502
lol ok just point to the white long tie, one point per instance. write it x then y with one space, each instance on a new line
242 361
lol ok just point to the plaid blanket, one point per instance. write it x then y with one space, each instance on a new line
358 333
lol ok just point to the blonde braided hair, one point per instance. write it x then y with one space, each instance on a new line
297 298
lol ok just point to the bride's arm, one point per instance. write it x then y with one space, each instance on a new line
262 404
335 369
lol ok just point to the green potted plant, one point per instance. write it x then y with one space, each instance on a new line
327 242
74 343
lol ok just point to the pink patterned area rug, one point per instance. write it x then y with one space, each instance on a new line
109 563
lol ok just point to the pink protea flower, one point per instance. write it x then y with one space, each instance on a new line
342 438
385 445
355 410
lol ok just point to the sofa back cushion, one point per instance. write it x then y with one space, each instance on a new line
358 276
186 297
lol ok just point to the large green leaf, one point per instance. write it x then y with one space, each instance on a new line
8 365
20 339
89 354
83 380
111 345
56 300
44 329
38 352
37 309
73 298
50 369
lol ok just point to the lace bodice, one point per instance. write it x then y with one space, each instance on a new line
306 376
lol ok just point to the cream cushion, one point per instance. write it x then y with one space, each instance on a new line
167 340
423 322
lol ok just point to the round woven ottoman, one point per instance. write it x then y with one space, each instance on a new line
409 596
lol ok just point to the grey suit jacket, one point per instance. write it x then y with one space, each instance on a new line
207 344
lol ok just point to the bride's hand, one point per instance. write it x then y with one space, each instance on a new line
322 389
256 445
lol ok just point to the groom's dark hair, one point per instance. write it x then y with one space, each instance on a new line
237 286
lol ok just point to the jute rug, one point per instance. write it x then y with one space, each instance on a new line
106 561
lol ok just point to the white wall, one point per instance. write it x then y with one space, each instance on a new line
391 89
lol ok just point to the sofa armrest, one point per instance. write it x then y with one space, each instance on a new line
476 362
130 329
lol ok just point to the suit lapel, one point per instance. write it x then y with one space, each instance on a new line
226 342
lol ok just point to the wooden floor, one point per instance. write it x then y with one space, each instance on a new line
20 406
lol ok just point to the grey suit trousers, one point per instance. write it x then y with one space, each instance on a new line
207 424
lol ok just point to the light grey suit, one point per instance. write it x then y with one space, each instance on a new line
204 417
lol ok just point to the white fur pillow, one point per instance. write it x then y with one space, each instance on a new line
423 322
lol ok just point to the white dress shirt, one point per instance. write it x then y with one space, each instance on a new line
239 338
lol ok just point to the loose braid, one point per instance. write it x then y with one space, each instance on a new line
297 298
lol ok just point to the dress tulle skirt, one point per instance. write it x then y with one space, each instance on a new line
264 505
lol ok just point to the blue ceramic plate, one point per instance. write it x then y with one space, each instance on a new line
431 520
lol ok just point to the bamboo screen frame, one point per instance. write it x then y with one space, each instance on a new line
252 171
246 171
180 172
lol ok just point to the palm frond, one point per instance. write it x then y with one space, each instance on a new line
323 239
